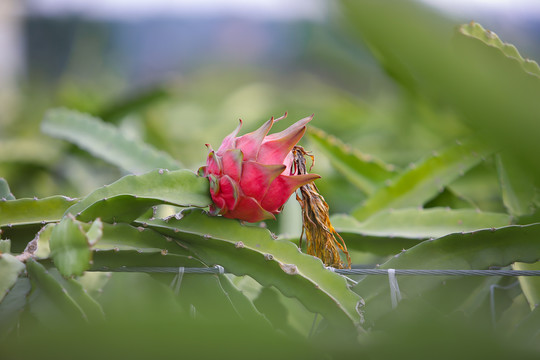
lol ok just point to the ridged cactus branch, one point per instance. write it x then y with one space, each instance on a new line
471 250
422 181
105 141
252 251
130 196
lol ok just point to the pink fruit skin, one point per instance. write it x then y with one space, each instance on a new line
250 174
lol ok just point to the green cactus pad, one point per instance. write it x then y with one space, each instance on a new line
10 268
69 246
364 171
252 251
5 192
105 141
472 250
129 197
423 181
476 31
33 211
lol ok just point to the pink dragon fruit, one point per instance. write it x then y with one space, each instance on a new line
250 176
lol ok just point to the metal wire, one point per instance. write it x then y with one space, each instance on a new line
440 272
158 269
219 270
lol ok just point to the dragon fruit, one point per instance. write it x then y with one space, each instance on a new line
250 175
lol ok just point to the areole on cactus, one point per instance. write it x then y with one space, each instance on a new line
250 175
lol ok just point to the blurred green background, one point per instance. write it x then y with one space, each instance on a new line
380 77
179 78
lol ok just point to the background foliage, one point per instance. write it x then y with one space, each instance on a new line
434 167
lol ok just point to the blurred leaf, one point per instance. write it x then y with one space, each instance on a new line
420 223
5 193
33 211
10 268
91 308
95 233
43 238
489 90
243 305
474 250
529 284
268 302
516 312
137 296
69 247
94 282
450 198
13 305
133 103
364 171
5 246
205 298
477 294
527 329
476 31
28 151
129 197
518 191
49 301
252 251
105 141
421 182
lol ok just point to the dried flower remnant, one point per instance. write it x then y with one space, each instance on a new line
321 237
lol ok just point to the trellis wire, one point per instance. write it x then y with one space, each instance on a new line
391 273
220 270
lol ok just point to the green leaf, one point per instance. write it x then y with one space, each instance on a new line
204 297
421 182
528 328
129 197
529 284
252 251
138 296
33 211
90 307
43 238
124 245
490 91
105 141
93 282
5 246
10 268
5 192
32 151
241 302
104 260
476 31
474 250
364 171
119 237
268 302
95 233
518 190
450 198
420 223
13 305
133 103
49 301
69 246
